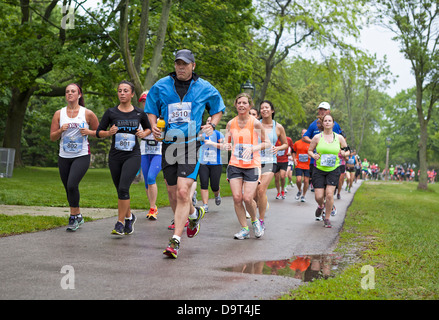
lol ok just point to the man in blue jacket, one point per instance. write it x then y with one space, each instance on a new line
181 99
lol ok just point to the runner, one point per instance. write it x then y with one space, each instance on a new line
280 173
391 172
210 166
301 162
350 170
124 158
254 112
244 167
151 151
72 126
326 174
181 99
273 131
324 108
364 168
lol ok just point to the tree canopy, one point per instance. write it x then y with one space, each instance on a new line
46 44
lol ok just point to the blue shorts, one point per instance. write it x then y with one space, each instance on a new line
305 172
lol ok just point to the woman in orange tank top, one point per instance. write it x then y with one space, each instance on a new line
244 167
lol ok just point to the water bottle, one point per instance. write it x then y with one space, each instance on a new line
161 124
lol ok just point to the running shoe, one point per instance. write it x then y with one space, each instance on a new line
218 200
118 229
172 225
129 224
262 224
194 224
257 229
206 207
298 195
152 214
283 195
327 223
319 212
338 196
74 223
278 197
302 199
172 248
194 198
334 211
242 234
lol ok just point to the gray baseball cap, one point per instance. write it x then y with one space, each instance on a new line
185 55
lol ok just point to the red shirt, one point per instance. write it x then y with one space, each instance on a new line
282 156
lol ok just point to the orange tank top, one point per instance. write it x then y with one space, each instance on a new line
242 138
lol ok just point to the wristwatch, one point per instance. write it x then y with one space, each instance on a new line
213 125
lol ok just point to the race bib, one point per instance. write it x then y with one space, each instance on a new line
303 157
239 150
328 160
266 155
209 155
152 147
179 112
124 141
73 144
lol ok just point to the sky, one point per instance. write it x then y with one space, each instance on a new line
379 40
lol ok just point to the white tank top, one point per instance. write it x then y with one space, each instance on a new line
72 143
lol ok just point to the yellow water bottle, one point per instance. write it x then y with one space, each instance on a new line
161 124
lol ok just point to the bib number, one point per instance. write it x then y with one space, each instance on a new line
328 160
239 150
179 112
303 157
152 147
72 144
124 141
209 155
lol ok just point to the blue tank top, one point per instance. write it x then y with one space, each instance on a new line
267 155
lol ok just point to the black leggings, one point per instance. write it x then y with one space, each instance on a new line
123 172
72 170
214 173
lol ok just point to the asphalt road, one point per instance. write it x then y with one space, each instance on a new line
93 264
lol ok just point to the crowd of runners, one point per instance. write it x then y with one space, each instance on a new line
253 145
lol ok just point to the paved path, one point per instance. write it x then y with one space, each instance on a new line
133 267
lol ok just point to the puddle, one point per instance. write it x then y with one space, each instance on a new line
303 267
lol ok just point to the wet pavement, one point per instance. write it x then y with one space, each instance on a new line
93 264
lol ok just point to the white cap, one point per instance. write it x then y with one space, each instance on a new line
324 105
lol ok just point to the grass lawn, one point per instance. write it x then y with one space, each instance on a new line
394 230
33 186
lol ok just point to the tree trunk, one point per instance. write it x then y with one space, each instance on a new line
14 122
152 74
423 179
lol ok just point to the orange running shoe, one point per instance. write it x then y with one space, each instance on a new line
152 214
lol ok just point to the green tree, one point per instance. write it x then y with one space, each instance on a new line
36 44
415 24
288 25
